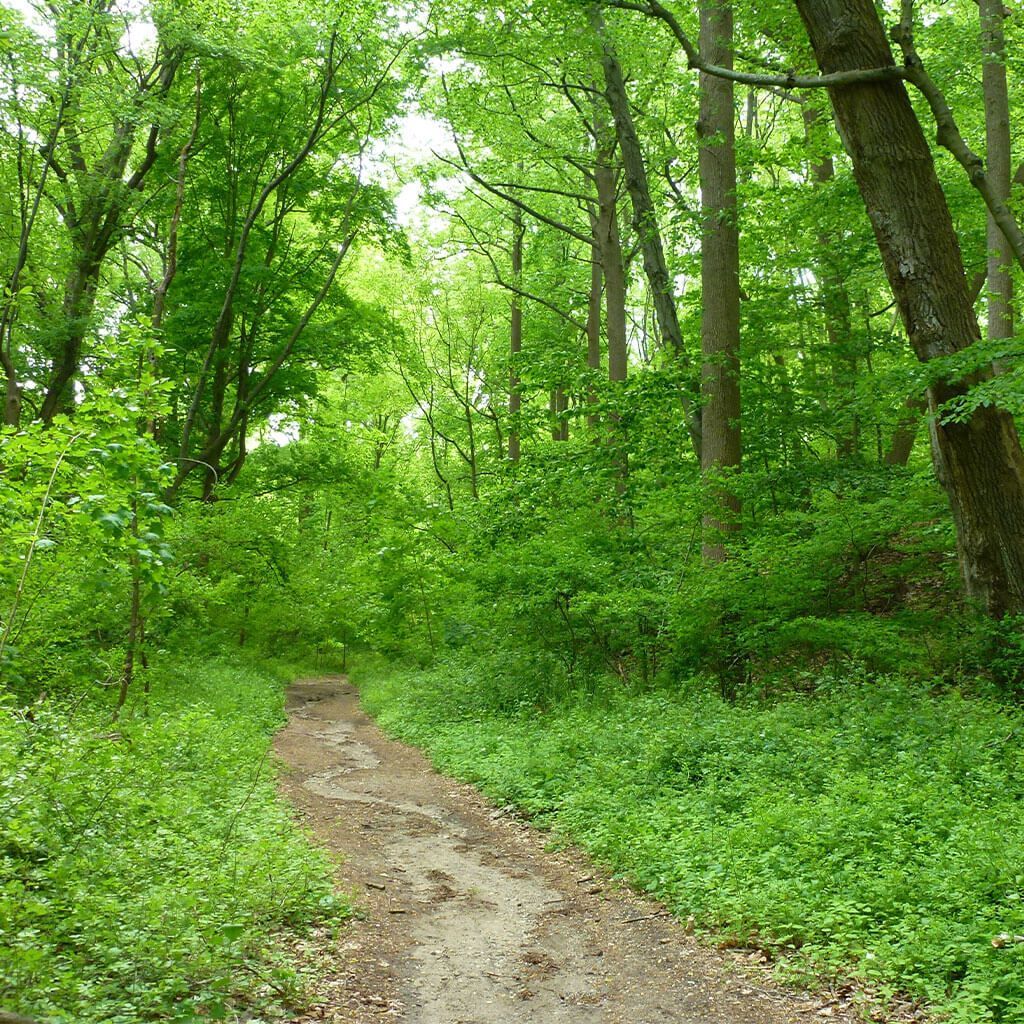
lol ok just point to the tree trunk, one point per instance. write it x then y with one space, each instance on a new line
594 321
720 280
998 160
835 302
644 215
79 301
515 337
12 396
979 462
134 616
559 406
612 267
905 434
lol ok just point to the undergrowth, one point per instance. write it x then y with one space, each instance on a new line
872 831
148 870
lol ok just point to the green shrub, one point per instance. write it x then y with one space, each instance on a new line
873 830
147 867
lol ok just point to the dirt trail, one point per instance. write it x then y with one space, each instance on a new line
468 920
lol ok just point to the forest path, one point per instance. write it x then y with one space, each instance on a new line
469 920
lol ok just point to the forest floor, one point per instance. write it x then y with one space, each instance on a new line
465 916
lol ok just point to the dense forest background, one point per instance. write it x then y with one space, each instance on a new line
630 390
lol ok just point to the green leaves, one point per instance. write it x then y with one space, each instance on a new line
870 832
121 898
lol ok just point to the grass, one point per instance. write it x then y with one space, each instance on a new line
871 831
148 870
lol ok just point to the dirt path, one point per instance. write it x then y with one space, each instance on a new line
468 920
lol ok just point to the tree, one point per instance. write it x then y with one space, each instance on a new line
720 278
979 462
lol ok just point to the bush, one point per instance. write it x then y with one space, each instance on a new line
148 868
873 830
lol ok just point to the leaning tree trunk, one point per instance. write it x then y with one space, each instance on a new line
979 462
645 218
720 281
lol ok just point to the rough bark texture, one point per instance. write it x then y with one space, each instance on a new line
997 139
720 280
979 462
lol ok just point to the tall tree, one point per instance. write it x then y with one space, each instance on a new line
515 399
645 219
999 160
96 164
720 278
979 462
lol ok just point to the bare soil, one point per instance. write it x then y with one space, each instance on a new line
466 918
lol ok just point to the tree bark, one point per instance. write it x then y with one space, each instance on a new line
612 266
998 160
720 280
12 392
594 321
645 218
835 303
515 338
979 462
79 301
559 406
905 434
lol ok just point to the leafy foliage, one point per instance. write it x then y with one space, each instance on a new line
148 870
870 830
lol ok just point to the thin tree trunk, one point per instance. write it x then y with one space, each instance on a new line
134 628
915 406
835 301
515 337
998 160
558 406
221 332
613 269
594 322
979 462
472 461
29 213
720 280
644 215
12 393
905 434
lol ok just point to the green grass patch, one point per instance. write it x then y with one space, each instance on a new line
872 831
148 870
